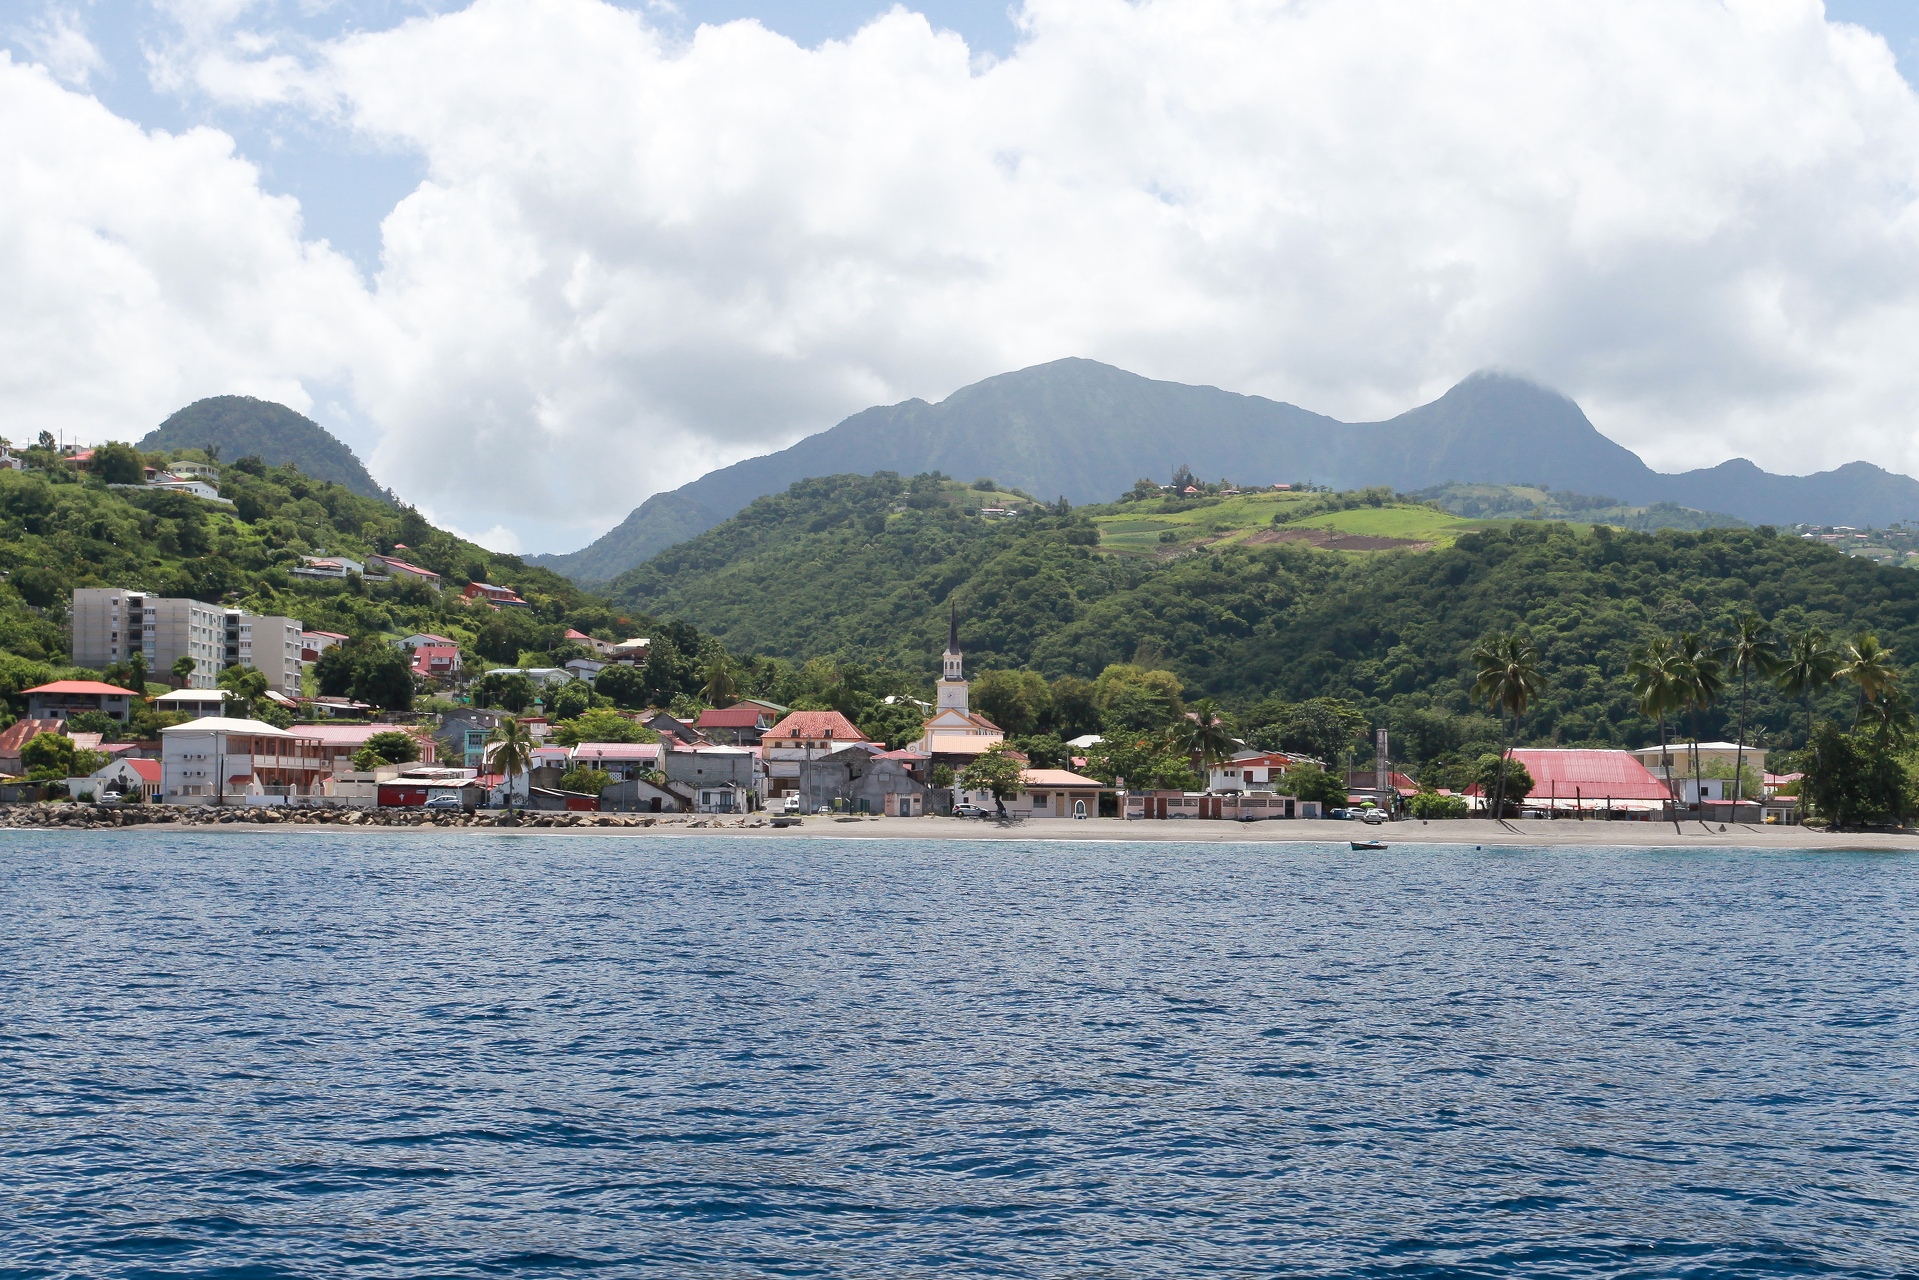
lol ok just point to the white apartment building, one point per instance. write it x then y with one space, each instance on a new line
111 625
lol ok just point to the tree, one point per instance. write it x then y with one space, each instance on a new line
995 770
1701 683
1870 666
183 668
1310 782
600 724
1658 684
1851 780
1143 761
585 780
389 746
720 688
1130 697
1809 665
242 687
1430 804
508 690
1016 701
1044 750
1751 652
1508 779
1506 677
1322 728
48 755
383 677
118 463
567 699
625 685
109 729
512 751
942 775
1072 711
1204 735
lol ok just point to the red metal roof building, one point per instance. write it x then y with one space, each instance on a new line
1587 779
64 698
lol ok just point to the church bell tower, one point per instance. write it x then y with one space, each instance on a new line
952 686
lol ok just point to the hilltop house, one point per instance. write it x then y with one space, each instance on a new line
395 567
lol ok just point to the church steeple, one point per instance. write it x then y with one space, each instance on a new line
952 687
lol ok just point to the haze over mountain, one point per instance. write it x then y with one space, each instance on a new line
1086 431
241 425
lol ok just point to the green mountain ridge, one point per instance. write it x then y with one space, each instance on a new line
1087 430
238 426
850 568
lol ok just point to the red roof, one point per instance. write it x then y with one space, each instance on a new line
1590 775
817 724
21 732
731 718
82 686
149 770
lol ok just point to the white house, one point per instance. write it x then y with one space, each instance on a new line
215 760
137 780
193 702
1250 771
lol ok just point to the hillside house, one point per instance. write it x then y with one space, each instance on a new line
394 567
494 596
198 703
315 643
602 647
63 698
328 568
436 661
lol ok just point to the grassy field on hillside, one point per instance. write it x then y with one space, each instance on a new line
1143 528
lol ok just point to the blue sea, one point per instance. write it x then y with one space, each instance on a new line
422 1054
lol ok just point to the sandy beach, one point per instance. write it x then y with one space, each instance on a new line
1413 831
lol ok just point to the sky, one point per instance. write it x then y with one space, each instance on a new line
538 259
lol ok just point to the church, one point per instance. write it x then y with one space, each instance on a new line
955 734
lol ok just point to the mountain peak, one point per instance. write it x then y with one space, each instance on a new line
242 425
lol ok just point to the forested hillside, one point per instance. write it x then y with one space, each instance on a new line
242 426
848 566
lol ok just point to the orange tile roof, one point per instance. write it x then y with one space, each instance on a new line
817 724
82 686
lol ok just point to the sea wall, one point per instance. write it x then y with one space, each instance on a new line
93 816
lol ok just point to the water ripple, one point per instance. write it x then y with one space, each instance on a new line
403 1054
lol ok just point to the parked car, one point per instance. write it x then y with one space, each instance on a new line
970 811
442 802
792 805
1339 815
1372 817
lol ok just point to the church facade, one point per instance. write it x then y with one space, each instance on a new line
955 734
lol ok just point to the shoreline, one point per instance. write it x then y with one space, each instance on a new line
1531 833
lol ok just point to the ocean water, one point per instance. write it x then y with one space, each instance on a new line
397 1054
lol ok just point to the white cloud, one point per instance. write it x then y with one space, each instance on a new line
58 41
633 259
145 270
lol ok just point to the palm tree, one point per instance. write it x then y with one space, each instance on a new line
1810 663
1507 678
720 686
1205 734
1658 683
1702 681
1870 665
1751 652
512 751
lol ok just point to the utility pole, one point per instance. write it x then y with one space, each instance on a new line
1382 772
